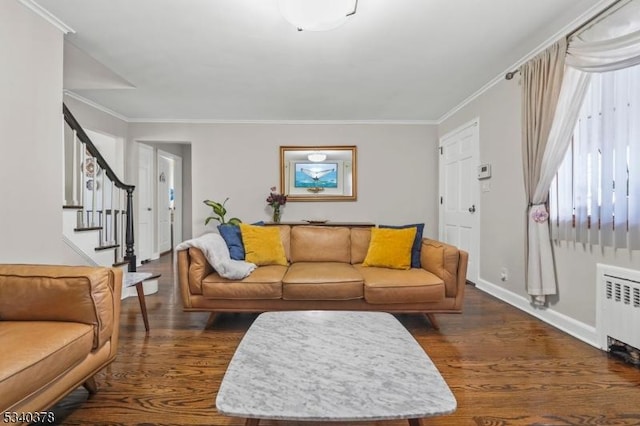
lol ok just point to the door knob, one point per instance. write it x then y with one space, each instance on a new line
472 209
148 209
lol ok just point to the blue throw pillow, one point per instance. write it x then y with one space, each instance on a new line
233 237
417 242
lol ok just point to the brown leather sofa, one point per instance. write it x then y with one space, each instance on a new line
325 272
58 328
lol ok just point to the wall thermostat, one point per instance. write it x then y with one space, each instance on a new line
484 171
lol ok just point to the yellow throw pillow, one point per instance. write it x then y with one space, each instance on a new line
390 248
262 245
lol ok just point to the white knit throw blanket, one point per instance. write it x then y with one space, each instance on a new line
217 253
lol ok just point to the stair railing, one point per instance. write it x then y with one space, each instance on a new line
109 206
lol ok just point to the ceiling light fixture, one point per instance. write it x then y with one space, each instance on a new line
317 15
316 157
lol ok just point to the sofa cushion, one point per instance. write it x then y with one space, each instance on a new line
40 351
320 244
263 245
385 285
360 240
417 242
265 282
59 293
285 236
390 248
322 281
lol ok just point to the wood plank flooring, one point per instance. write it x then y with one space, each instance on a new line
504 367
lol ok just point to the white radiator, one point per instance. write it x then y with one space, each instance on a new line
618 305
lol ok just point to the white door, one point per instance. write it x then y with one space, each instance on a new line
459 209
144 192
166 188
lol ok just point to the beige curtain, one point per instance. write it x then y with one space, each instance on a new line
541 82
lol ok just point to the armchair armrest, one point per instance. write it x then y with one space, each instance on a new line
89 295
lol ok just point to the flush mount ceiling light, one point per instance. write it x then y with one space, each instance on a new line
317 15
316 157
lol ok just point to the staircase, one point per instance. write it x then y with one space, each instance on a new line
98 206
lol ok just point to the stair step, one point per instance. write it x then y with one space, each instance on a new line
112 246
71 207
121 263
88 228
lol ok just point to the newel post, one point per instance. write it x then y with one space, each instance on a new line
130 255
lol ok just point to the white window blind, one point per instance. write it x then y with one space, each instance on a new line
595 197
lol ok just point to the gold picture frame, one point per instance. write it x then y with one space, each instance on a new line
319 173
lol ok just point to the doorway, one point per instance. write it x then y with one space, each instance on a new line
459 211
163 189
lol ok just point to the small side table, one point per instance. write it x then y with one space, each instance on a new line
136 279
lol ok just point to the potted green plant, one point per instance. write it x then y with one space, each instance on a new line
219 212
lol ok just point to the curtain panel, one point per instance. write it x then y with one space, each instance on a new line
541 82
611 43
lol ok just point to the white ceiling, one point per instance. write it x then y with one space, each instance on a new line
239 60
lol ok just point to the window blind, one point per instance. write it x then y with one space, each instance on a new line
595 197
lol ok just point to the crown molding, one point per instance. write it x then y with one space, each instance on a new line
283 122
567 29
47 16
95 105
106 110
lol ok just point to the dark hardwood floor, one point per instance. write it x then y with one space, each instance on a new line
504 367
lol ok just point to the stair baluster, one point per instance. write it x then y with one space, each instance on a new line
82 184
111 235
74 169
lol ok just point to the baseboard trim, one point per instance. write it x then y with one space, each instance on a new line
575 328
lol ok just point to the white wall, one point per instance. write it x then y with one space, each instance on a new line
502 229
31 187
397 169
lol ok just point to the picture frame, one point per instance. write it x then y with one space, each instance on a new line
318 173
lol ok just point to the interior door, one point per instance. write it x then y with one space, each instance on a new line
459 209
144 192
166 170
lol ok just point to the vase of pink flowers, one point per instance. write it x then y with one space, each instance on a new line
276 200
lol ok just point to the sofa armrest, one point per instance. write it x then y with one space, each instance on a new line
84 294
448 263
193 267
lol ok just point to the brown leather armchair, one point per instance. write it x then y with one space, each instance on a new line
58 328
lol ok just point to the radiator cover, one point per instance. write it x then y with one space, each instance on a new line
617 305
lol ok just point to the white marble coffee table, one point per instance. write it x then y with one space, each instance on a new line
331 366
